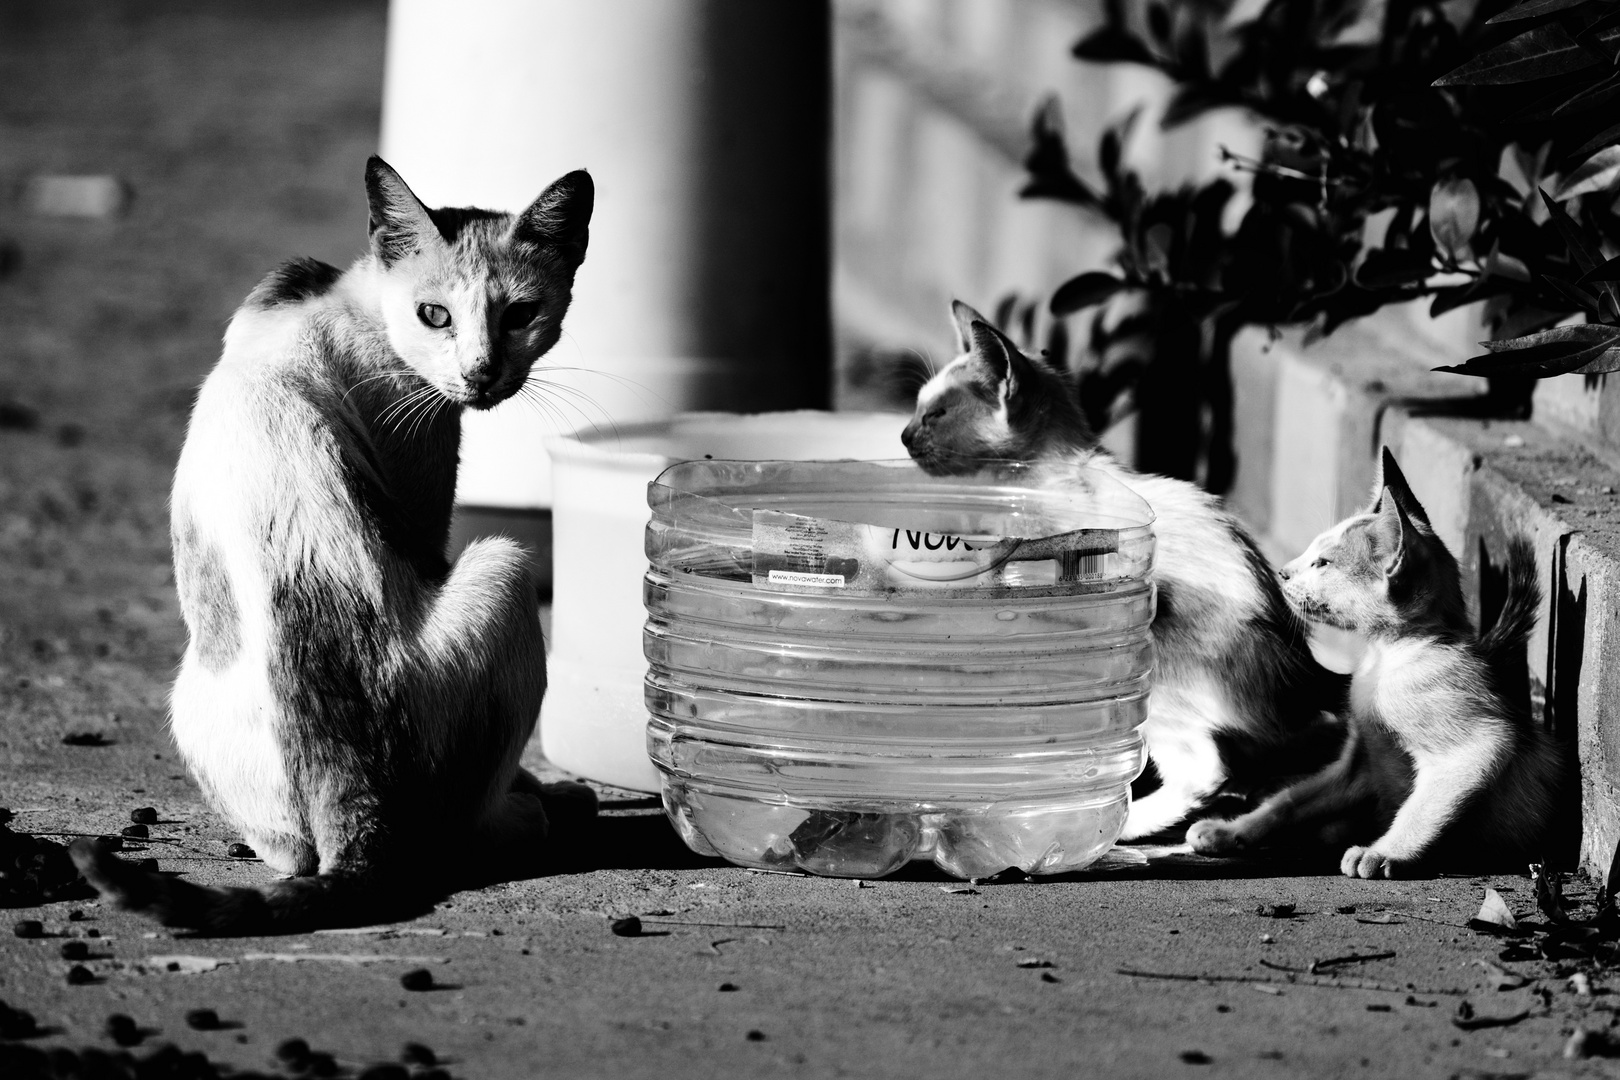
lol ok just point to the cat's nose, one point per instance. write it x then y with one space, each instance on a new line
1286 571
908 435
481 378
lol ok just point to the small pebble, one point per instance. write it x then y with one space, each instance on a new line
417 979
144 815
322 1064
293 1051
1195 1057
122 1030
16 1023
726 988
29 928
629 926
1377 1008
241 851
75 950
415 1053
110 843
756 1035
79 975
76 916
92 932
149 866
138 832
202 1020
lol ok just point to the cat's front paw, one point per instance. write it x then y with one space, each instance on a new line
1366 862
1212 837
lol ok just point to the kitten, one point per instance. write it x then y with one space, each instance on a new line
1234 680
349 698
1440 761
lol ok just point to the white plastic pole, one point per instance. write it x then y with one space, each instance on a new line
705 126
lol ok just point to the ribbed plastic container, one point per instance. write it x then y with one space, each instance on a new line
852 665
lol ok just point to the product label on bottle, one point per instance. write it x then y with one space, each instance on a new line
792 551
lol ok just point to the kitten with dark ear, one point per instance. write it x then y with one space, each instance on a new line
353 701
1235 685
1441 765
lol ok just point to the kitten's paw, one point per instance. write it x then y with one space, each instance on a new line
1212 837
1366 862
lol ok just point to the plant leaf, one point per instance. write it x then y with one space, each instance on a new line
1493 910
1530 9
1391 267
1454 216
1546 50
1608 270
1111 45
1092 287
1586 348
1455 297
1600 172
1608 136
1585 254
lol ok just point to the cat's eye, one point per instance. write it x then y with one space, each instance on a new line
933 414
433 315
518 315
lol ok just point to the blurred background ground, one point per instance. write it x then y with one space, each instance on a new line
240 131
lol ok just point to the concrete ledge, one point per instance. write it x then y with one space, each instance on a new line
1313 418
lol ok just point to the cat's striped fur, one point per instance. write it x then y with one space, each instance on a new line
1234 679
349 697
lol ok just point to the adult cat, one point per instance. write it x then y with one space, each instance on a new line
1234 679
348 695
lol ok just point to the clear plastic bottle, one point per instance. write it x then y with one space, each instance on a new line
853 664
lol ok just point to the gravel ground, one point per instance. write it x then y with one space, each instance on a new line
240 131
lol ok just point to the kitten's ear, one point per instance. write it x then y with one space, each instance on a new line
561 216
996 350
400 223
1392 485
1396 534
964 317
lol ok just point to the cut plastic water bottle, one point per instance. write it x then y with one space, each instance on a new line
852 665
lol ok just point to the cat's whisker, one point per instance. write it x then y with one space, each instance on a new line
561 398
571 396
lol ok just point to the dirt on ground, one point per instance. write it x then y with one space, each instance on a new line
237 134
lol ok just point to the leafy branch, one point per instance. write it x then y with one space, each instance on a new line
1413 149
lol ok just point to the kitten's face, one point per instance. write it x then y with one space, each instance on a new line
1379 571
992 403
471 299
1341 579
960 420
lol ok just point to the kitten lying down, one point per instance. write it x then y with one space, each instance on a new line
1439 764
1235 685
350 699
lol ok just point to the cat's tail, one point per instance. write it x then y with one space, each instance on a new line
1504 641
287 906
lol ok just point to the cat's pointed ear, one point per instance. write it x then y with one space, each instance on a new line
561 216
400 223
996 351
1392 485
964 316
1396 534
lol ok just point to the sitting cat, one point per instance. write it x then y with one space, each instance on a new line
1439 762
1234 678
349 698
